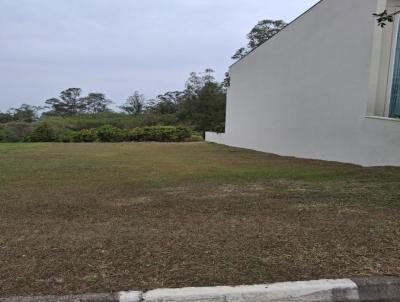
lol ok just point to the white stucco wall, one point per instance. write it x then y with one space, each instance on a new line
308 91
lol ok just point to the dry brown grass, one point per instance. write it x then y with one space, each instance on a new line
107 217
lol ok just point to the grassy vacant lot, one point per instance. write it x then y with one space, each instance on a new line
78 218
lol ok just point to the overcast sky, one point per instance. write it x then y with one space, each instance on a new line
119 46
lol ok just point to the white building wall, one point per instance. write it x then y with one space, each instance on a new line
305 92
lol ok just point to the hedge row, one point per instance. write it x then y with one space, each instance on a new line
44 133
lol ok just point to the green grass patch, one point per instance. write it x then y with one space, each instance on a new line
95 217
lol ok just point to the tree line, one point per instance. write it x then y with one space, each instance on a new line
201 105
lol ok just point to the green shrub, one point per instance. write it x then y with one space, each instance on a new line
15 131
65 136
181 134
136 135
195 138
55 130
118 120
85 136
108 133
42 133
160 134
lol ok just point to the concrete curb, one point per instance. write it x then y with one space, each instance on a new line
379 289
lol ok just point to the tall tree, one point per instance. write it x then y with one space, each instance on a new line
227 81
167 103
240 53
69 102
72 99
203 106
26 113
95 103
134 104
261 32
6 117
